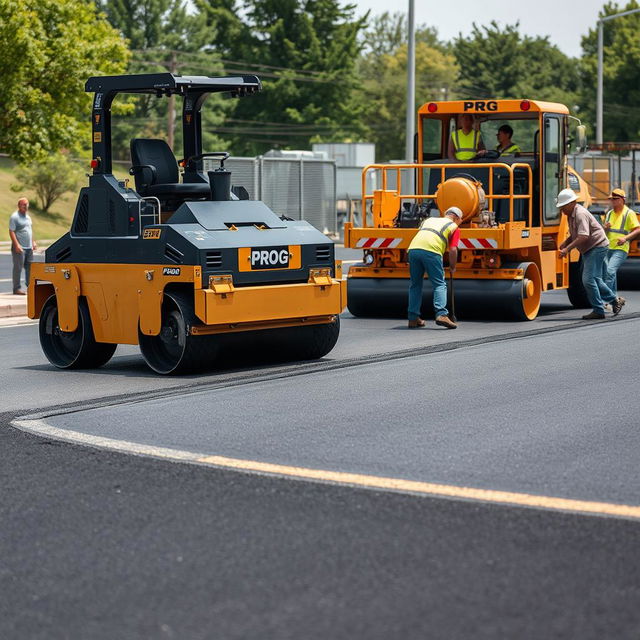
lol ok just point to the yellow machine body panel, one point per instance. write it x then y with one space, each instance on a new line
124 297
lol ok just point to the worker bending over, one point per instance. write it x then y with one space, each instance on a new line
425 254
588 237
505 147
466 143
621 225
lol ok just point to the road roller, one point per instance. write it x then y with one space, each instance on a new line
511 231
188 269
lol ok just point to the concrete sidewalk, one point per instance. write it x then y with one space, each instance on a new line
12 306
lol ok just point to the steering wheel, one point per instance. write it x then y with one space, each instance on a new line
189 162
490 154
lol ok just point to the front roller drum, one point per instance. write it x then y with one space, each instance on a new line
71 349
174 351
499 299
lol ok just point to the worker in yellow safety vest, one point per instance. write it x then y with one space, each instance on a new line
505 147
622 226
425 254
466 143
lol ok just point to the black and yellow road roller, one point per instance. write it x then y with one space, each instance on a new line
509 238
183 268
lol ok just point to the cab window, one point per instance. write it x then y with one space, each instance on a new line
432 139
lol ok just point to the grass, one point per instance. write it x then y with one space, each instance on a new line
46 226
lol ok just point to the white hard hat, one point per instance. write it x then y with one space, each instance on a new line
565 197
456 212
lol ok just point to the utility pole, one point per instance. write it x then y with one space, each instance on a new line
411 83
599 97
171 111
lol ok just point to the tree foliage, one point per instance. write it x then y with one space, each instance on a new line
305 52
164 36
621 74
383 69
499 62
51 177
49 49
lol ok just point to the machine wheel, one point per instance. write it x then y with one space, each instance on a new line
576 291
72 349
173 350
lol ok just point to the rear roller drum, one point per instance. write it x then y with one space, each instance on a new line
576 292
72 349
174 350
628 277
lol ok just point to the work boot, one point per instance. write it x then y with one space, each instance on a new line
446 321
417 323
594 316
617 304
20 292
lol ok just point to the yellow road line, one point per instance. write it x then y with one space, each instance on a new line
41 428
428 488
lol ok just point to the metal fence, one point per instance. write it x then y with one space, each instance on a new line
302 189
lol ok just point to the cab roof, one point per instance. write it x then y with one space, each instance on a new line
488 107
168 84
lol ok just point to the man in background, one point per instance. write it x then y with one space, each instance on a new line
22 244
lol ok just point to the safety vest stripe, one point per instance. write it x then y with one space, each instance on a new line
440 232
623 230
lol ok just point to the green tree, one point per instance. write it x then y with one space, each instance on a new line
49 49
621 74
383 69
499 62
305 53
164 36
51 177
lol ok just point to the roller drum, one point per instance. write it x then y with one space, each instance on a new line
498 299
629 275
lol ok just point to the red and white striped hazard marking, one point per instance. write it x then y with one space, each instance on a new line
378 243
478 243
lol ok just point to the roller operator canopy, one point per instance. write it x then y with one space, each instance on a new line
168 84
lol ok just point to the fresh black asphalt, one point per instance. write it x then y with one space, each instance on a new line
536 415
95 544
103 545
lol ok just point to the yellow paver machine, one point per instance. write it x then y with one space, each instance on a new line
181 267
508 251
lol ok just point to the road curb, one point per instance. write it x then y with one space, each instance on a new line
12 306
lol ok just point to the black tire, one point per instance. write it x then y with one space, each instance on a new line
72 349
174 351
576 291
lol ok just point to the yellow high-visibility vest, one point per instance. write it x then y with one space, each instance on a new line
465 144
509 151
621 224
433 235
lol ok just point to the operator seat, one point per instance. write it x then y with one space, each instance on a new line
155 170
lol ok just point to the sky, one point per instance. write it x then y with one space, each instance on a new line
564 21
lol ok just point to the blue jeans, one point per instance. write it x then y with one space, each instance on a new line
615 257
597 290
419 262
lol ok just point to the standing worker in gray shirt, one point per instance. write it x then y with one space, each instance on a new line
588 237
22 244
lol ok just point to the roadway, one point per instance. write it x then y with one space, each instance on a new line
179 543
